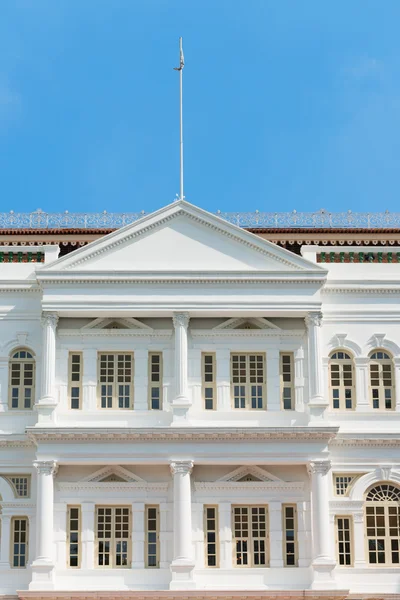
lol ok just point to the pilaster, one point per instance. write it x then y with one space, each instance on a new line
363 403
276 534
89 379
299 379
318 403
273 383
47 401
225 534
181 402
223 380
88 510
141 378
138 535
4 362
5 541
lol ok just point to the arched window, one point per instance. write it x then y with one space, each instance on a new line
22 379
382 509
381 380
342 380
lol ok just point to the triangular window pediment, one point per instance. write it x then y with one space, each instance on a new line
112 477
112 473
256 323
249 473
127 323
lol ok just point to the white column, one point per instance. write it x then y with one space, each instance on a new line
359 540
141 396
62 378
89 380
303 534
138 535
60 534
397 381
323 563
275 534
363 402
166 535
48 393
88 510
183 563
299 379
194 378
315 367
5 546
273 383
4 361
225 534
181 323
223 365
43 565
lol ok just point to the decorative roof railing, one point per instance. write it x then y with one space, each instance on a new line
269 220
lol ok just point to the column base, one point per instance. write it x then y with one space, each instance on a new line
4 565
180 409
45 409
317 408
43 573
182 575
323 574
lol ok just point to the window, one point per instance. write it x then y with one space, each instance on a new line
382 510
342 381
152 536
287 380
74 536
116 380
20 484
22 380
208 378
19 545
113 536
75 380
342 483
248 381
155 380
343 541
211 535
289 514
250 536
381 380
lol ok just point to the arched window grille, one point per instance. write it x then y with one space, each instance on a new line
22 379
381 380
382 508
342 388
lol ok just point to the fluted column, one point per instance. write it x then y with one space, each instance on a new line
181 323
183 563
315 367
49 325
43 565
323 562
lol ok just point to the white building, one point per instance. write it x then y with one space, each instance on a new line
190 410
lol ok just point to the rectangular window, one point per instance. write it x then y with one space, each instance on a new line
152 536
74 536
155 380
116 380
248 381
250 529
342 483
289 514
209 380
22 381
75 380
19 545
287 380
211 535
113 524
344 541
21 485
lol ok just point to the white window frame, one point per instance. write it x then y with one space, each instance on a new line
148 532
343 482
344 547
153 383
287 379
208 531
286 536
381 388
71 531
21 387
113 539
13 481
75 383
385 512
114 384
14 519
208 380
245 394
338 374
249 538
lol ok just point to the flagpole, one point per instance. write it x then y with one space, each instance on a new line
180 69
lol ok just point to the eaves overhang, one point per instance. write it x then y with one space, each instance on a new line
84 435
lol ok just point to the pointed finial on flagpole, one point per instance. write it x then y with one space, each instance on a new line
180 69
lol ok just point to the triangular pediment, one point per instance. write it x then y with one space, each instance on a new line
128 323
246 323
112 473
182 238
249 473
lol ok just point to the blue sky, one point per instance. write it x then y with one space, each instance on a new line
288 104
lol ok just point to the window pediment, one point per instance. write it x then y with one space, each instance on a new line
257 323
109 474
249 473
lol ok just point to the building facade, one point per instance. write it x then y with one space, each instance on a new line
188 409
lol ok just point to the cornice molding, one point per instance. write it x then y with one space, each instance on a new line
378 290
181 434
152 333
255 333
249 485
107 486
367 440
9 441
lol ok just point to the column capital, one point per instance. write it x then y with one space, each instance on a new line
181 319
321 467
45 467
313 319
183 467
49 318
